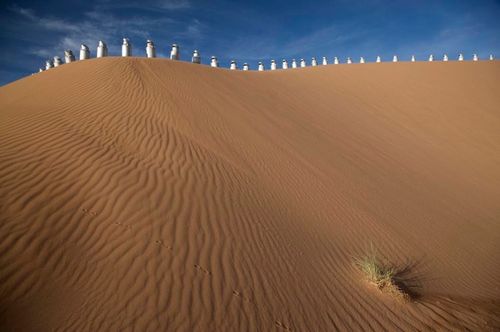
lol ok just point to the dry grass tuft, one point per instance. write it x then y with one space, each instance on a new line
381 275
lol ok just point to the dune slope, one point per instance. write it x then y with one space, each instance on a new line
148 195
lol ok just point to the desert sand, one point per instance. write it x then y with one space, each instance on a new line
153 195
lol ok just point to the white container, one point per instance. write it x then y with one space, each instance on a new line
84 52
324 61
491 57
413 58
460 57
68 56
196 57
245 66
349 61
213 62
261 66
335 61
431 58
102 49
302 63
57 61
445 57
294 63
126 47
361 60
395 58
150 49
284 65
475 57
174 53
314 63
273 65
379 59
233 65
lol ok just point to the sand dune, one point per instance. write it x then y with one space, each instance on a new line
153 195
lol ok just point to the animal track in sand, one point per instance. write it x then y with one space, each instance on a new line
241 296
257 307
278 323
127 227
282 325
199 268
88 212
161 244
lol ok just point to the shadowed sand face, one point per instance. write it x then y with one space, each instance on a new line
156 195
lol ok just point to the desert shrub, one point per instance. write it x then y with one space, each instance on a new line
381 275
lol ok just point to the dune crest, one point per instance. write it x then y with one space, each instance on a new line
153 195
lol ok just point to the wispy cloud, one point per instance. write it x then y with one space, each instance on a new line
47 23
328 39
174 4
103 25
28 13
149 5
461 35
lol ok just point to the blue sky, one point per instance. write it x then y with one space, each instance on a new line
248 31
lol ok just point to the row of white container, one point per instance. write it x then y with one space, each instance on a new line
102 51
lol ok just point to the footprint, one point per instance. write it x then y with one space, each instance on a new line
282 325
127 227
240 295
161 244
88 212
199 268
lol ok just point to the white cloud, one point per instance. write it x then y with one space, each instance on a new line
100 24
44 53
